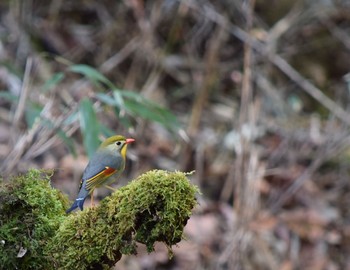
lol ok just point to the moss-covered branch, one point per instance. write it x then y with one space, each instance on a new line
36 233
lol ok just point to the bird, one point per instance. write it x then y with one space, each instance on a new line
104 167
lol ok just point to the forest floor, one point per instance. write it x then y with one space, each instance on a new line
261 96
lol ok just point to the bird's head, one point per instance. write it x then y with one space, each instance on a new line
117 143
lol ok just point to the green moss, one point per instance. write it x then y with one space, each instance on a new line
30 214
154 207
36 233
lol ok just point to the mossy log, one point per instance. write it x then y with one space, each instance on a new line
36 233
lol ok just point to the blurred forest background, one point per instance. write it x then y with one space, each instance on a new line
252 95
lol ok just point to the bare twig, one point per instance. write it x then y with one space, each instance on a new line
244 117
19 149
276 59
209 81
310 88
338 33
120 56
24 92
281 27
331 149
247 163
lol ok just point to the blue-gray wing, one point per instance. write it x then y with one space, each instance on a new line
100 160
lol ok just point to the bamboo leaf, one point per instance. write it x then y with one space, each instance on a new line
106 99
139 106
89 126
9 96
32 113
53 81
92 74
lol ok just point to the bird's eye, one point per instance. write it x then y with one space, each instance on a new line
118 143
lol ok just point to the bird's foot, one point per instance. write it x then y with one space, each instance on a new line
109 187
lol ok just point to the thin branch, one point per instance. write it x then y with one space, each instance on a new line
276 59
332 149
24 92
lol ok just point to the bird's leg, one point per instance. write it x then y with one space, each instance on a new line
92 198
109 187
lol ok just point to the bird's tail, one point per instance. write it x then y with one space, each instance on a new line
79 202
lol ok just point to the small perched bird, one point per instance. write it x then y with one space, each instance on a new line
104 168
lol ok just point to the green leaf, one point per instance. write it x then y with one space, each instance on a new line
92 74
139 106
133 95
106 99
74 116
32 113
118 98
89 126
53 81
9 96
142 110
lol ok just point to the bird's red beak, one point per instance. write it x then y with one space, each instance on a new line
129 140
